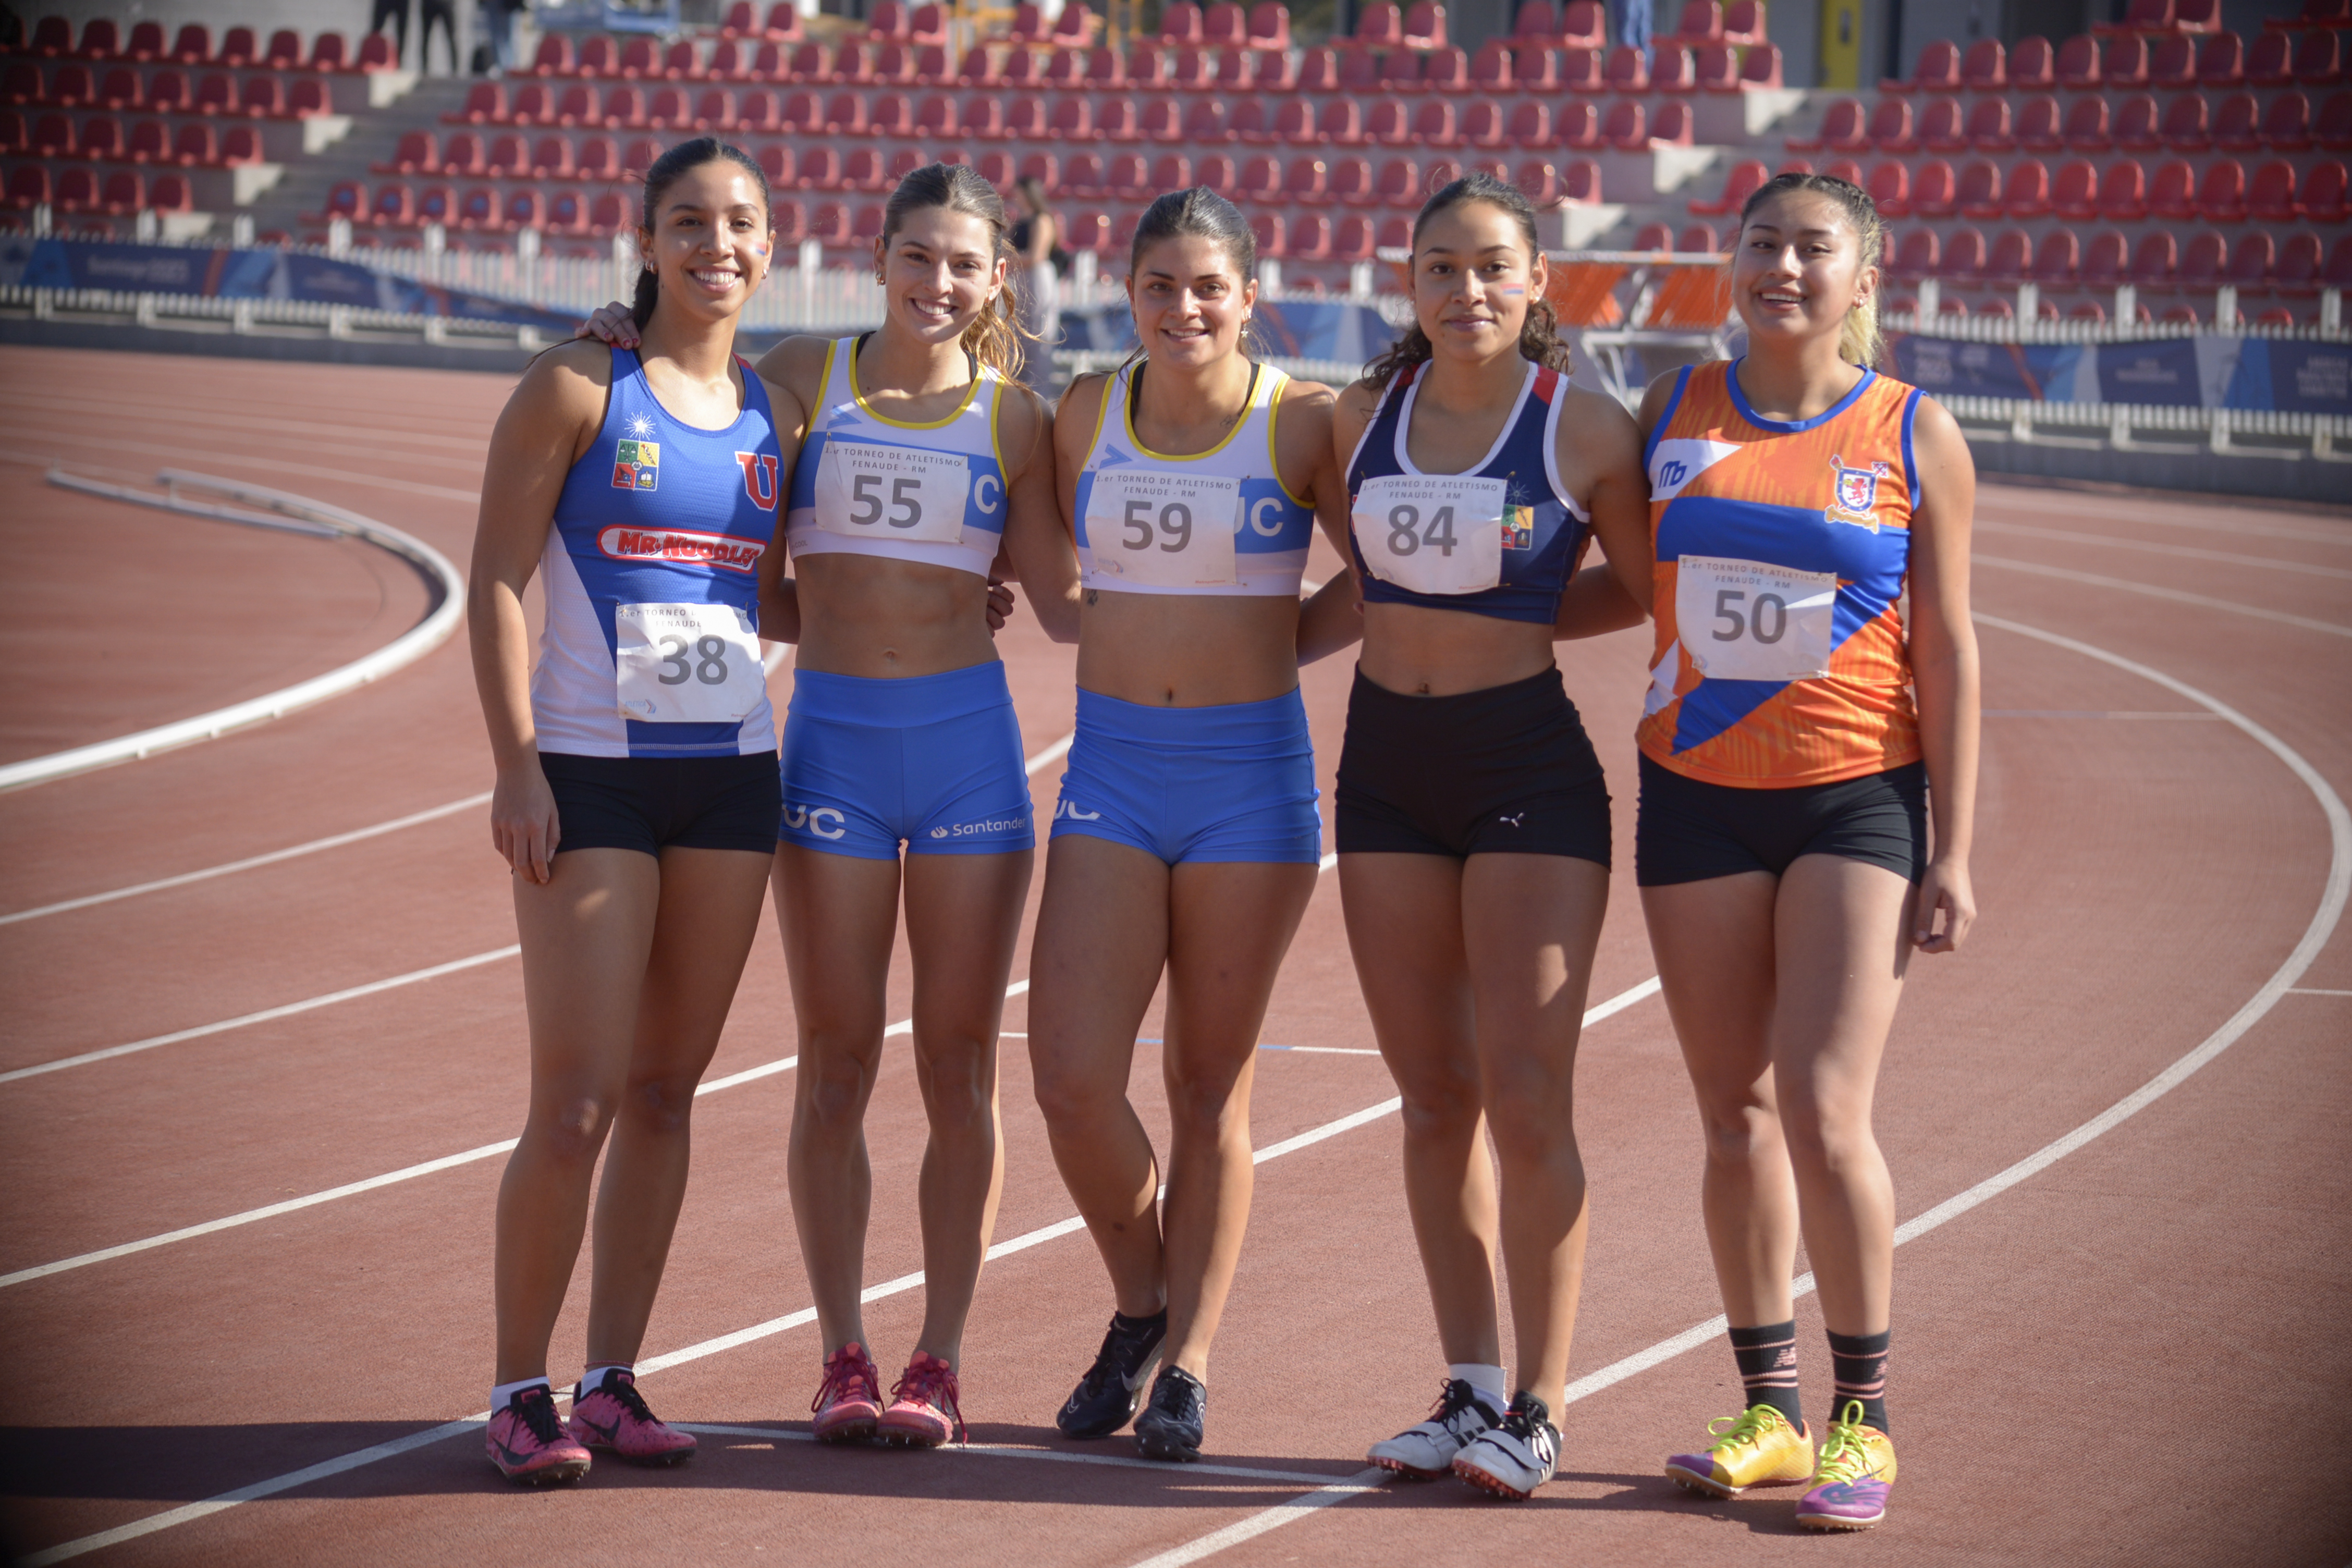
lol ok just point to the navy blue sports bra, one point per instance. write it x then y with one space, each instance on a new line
1501 538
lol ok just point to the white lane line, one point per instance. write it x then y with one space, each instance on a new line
335 841
2314 991
1323 1050
2152 591
191 1512
1275 1518
1996 497
394 981
2314 938
1050 755
775 658
1036 764
2189 552
1015 1451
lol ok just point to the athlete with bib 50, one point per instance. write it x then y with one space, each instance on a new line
924 458
1473 816
637 791
1796 737
1186 838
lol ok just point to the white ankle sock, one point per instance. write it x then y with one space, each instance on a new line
502 1395
593 1378
1487 1380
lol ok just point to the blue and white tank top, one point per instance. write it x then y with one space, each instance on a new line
1152 523
866 484
1501 538
652 568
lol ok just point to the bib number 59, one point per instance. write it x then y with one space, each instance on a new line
1175 521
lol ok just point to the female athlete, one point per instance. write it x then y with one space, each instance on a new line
636 788
1473 818
1186 838
1800 728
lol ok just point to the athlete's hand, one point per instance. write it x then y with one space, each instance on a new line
1000 605
522 820
1945 887
616 324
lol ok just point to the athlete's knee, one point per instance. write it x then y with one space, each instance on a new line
571 1125
835 1082
1831 1135
1440 1105
662 1103
1530 1132
958 1081
1738 1130
1206 1106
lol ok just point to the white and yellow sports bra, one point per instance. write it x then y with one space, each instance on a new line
870 485
1217 522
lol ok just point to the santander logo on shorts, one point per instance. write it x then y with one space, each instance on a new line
728 551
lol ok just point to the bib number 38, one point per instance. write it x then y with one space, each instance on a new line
1432 534
1147 528
872 491
1746 620
687 664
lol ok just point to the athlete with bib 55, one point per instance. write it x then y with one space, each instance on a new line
1796 738
636 792
925 460
1186 839
1473 816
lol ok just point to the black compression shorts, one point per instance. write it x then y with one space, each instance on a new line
651 804
1503 771
1686 830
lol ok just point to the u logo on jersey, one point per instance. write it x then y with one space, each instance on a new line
1856 494
759 478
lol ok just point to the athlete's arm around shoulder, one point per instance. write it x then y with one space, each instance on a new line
788 408
1075 421
1599 456
1045 560
549 421
1308 465
1944 671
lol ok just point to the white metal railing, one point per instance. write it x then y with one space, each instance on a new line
2127 427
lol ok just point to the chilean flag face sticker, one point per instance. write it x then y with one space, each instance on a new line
759 478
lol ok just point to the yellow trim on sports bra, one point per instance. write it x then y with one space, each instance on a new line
1127 418
1273 452
978 375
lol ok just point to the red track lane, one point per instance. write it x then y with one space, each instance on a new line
2141 876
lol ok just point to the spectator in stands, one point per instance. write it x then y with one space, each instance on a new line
498 20
1628 23
1038 258
396 12
429 12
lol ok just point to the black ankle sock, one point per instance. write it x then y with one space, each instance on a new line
1859 1361
1158 1320
1767 1355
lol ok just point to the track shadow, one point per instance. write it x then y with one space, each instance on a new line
1766 1513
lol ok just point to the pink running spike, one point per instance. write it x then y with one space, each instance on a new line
613 1415
529 1445
923 1411
849 1402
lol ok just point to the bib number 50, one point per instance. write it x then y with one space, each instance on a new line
1750 620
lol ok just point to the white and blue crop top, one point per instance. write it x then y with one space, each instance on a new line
870 485
1219 522
652 576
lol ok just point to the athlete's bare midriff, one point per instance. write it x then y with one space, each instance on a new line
1417 651
1183 650
883 619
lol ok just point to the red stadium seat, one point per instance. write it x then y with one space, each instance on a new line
1535 69
1180 23
1627 125
2074 194
345 199
2087 126
1217 171
845 114
2033 65
2221 193
1654 236
150 143
28 186
551 158
2041 124
1399 184
2185 128
2270 61
1918 254
193 146
1170 172
1482 124
1433 125
2173 62
2172 193
2078 63
1352 241
1844 128
1943 127
2123 192
2286 124
2323 193
2251 261
1890 127
416 155
462 153
803 112
2237 124
509 156
1745 178
1579 182
1985 67
1538 181
1716 69
1307 180
1890 189
1627 71
2319 58
395 205
1083 176
1352 184
1938 70
1762 68
1071 120
2270 196
2013 256
1671 125
1273 234
1671 69
1294 123
2124 62
2333 127
1247 122
1582 70
2026 194
1935 193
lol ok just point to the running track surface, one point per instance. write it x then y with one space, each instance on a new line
2134 1354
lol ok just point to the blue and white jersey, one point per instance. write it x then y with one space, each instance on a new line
1218 521
866 484
652 644
1502 538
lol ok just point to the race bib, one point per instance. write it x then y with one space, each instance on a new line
892 492
687 664
1432 534
1158 529
1743 620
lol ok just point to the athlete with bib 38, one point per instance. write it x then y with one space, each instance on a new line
637 779
924 458
1186 839
1797 736
1473 818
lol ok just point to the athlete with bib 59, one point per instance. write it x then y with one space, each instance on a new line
636 793
1797 737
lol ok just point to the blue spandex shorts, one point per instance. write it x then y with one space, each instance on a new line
1230 782
933 761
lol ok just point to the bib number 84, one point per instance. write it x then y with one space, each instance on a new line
1403 541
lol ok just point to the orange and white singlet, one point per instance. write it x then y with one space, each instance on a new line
1783 549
